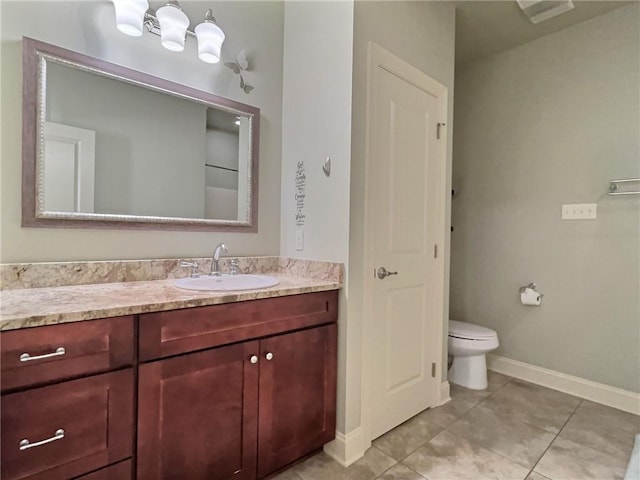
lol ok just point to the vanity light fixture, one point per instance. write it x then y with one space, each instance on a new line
172 25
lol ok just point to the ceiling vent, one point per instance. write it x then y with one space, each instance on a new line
541 10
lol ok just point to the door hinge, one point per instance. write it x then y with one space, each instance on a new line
439 125
435 251
433 370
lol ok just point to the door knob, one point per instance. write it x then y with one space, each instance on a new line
383 273
269 356
253 359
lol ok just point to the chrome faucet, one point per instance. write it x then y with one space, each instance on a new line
215 259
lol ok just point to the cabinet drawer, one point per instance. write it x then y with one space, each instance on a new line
119 471
64 430
35 356
169 333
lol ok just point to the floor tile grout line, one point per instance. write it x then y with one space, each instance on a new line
500 454
472 441
510 460
426 441
556 437
403 465
399 462
447 427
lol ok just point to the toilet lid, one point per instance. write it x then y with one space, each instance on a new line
470 331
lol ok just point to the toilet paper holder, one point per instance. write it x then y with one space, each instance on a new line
532 286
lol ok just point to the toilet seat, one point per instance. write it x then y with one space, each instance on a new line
469 331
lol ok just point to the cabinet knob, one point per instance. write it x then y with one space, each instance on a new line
269 356
253 359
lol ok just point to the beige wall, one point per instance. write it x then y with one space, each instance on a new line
318 61
541 125
422 34
89 27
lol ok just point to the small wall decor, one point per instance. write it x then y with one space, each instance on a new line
240 65
300 193
326 167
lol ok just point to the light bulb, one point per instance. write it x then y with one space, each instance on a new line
130 15
173 26
210 38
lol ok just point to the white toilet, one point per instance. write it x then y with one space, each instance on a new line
469 344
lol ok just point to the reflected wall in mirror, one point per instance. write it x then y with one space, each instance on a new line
106 146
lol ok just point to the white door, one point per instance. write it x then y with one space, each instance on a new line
69 168
405 236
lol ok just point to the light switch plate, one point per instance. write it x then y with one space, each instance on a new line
299 240
579 211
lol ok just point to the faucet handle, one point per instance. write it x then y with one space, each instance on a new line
194 268
233 266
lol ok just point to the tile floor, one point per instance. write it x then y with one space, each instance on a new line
512 430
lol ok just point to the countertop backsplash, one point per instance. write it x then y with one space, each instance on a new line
41 275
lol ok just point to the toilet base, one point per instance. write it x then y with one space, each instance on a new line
469 372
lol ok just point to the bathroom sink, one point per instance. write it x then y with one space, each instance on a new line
227 282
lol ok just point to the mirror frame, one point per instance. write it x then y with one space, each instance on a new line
35 55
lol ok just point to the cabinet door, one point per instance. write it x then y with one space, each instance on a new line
297 396
198 415
64 430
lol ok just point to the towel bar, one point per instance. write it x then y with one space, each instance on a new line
614 186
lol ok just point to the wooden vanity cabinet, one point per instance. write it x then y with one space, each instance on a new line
231 391
242 410
61 428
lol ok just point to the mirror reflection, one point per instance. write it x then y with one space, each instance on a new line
110 147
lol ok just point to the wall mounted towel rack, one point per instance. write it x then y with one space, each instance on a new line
614 186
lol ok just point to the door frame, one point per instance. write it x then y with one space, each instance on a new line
378 57
84 142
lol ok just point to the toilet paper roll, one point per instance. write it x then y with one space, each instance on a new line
530 297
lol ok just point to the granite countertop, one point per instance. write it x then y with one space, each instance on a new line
32 307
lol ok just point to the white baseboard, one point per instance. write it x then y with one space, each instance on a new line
580 387
347 449
445 393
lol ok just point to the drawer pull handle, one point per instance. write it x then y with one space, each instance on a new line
25 444
25 357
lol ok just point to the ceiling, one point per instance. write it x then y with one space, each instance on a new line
484 28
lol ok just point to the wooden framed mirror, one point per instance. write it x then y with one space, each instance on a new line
106 146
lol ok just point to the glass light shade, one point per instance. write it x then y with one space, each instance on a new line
210 38
173 27
130 15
